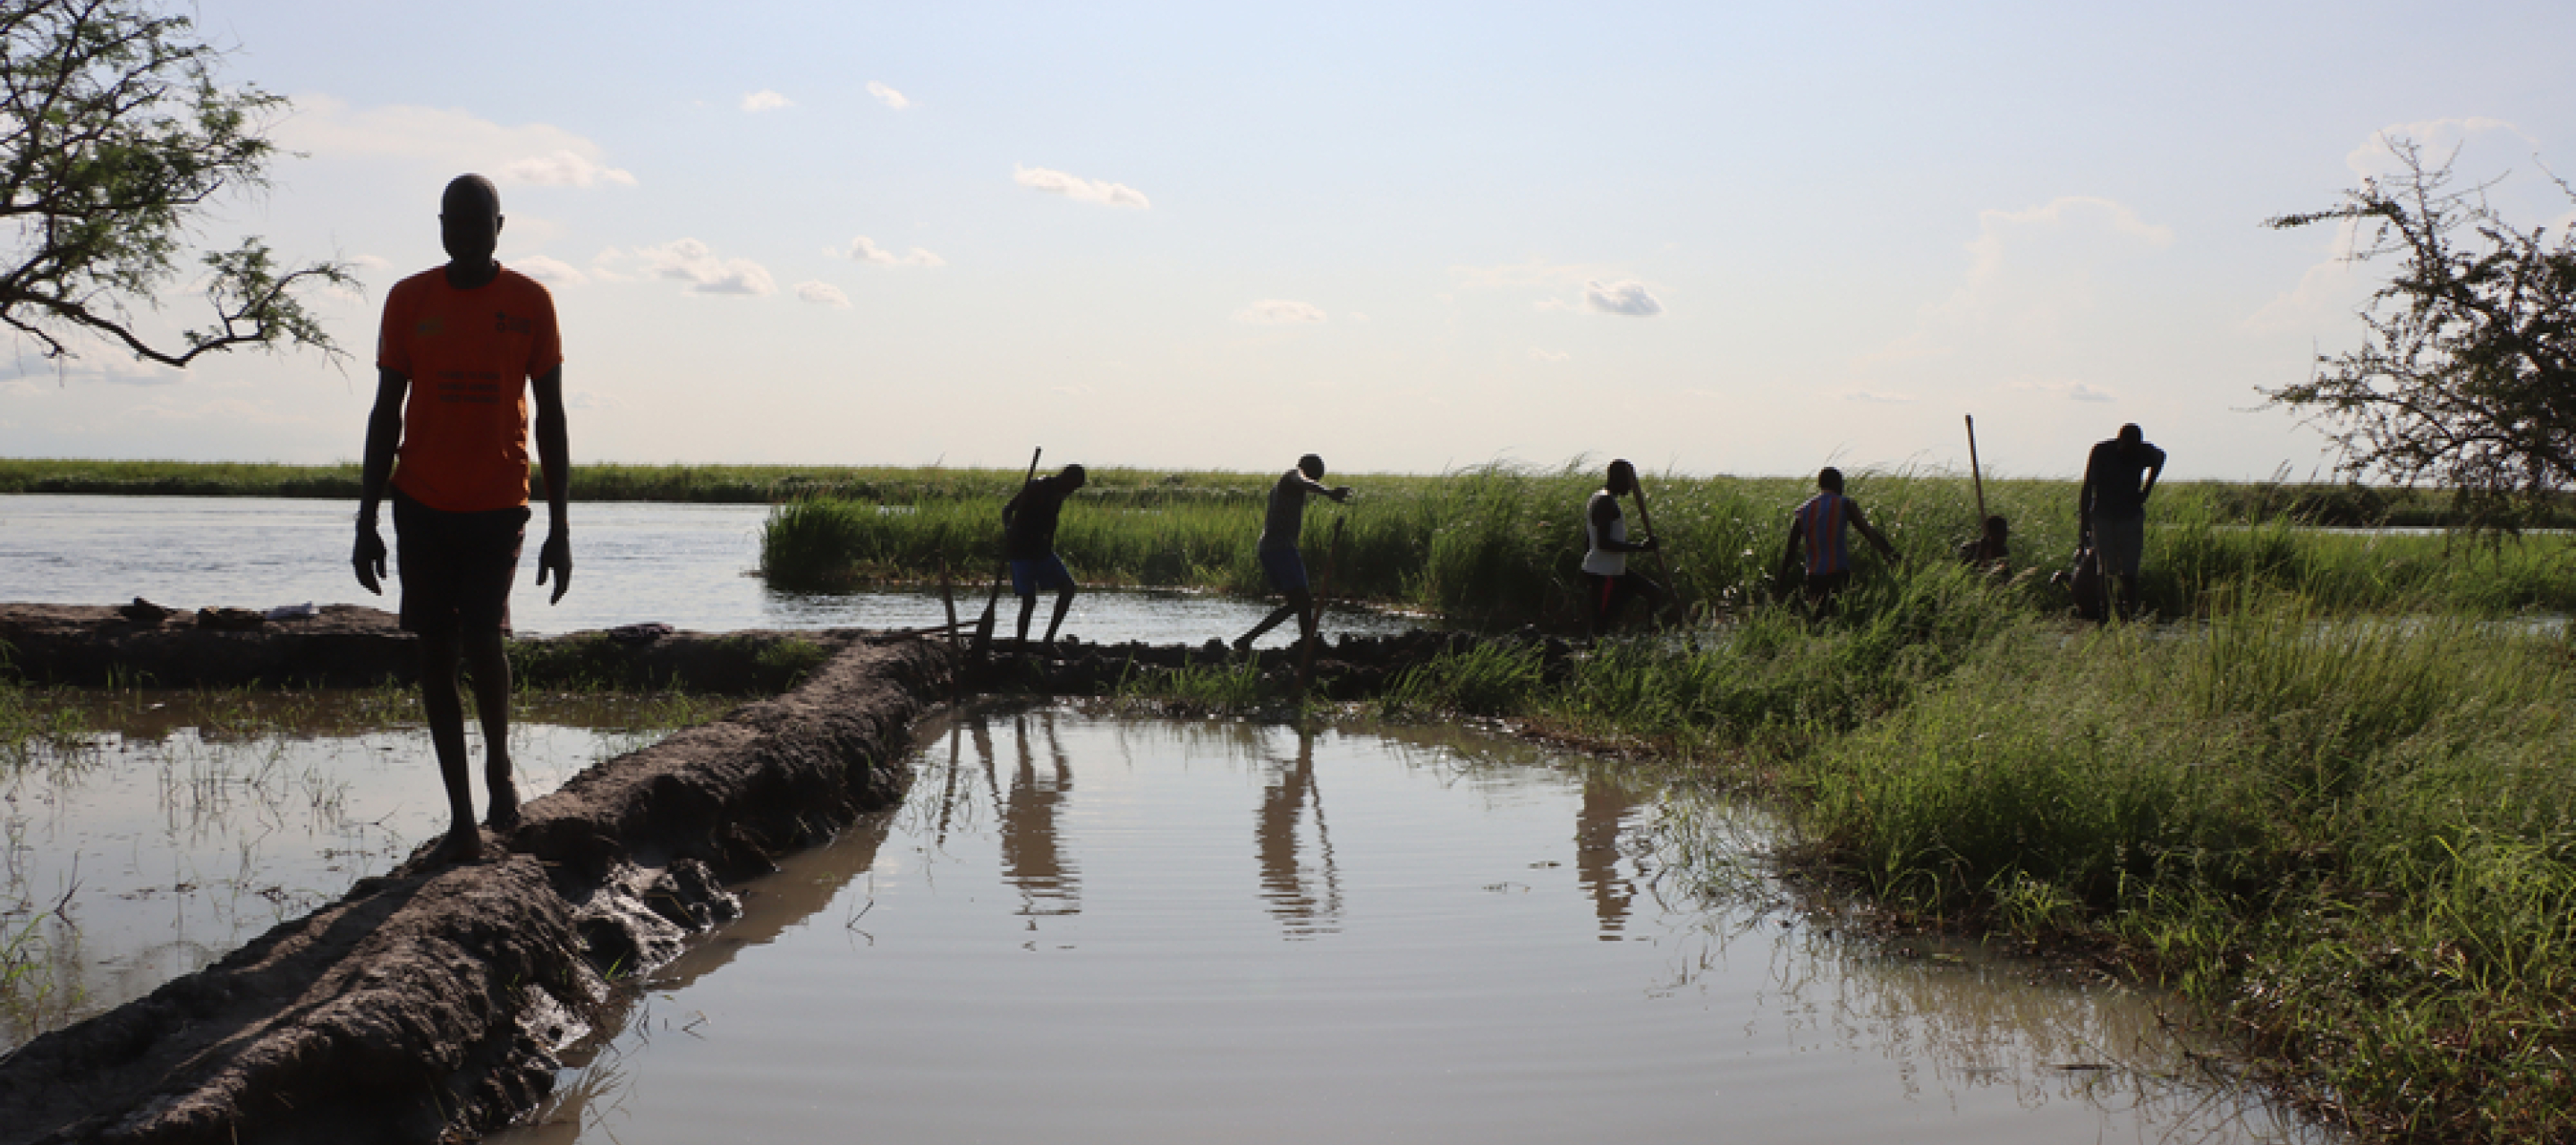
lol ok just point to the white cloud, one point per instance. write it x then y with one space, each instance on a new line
864 249
765 100
590 399
822 294
693 262
2373 159
2074 391
2030 271
551 271
448 140
1279 312
562 169
1872 397
888 96
1539 355
1627 296
1078 189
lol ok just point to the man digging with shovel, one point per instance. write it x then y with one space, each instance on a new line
1028 543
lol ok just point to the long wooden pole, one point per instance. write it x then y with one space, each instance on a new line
1663 564
984 627
1976 475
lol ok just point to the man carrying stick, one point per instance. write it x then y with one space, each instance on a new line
1608 584
1028 543
1278 548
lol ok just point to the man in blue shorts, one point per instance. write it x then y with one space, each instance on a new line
461 350
1278 548
1028 542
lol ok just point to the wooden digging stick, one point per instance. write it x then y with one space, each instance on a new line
984 627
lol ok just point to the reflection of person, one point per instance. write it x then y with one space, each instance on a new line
1028 542
1817 529
1283 882
1032 853
1278 548
1597 823
2111 510
461 349
1607 582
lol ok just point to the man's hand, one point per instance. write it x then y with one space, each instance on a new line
1649 545
1340 493
368 557
556 558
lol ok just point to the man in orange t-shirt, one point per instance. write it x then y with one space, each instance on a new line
461 349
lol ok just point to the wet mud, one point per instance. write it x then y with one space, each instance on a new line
428 1003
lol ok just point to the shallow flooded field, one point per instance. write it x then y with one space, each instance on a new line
187 823
1093 928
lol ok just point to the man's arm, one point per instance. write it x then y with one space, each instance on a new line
1789 551
1877 540
2084 493
375 470
1309 484
2155 469
1605 511
554 452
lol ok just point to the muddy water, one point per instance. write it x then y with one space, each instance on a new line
190 823
1096 929
689 566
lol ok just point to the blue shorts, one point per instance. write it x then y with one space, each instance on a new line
1028 578
1287 569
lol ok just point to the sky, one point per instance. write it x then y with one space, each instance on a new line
1745 239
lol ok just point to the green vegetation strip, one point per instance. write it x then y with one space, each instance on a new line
1504 543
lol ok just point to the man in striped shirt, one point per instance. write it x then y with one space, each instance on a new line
1817 529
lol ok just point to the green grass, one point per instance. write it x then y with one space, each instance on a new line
1502 544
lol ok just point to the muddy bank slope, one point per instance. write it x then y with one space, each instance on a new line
425 1004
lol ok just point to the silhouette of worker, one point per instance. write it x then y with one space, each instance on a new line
1816 530
1278 548
1608 584
1028 542
461 350
2111 511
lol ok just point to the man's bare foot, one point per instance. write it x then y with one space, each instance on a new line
464 845
504 815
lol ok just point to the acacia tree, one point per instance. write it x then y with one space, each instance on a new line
2466 375
114 139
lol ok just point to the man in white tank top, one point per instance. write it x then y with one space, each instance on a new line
1606 580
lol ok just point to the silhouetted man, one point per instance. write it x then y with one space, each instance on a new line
459 352
2111 510
1028 542
1607 582
1278 548
1817 527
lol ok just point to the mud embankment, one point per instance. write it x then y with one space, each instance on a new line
427 1002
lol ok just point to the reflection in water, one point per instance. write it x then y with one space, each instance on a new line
1032 858
888 986
1304 911
1600 828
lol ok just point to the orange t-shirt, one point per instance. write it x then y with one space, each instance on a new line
469 355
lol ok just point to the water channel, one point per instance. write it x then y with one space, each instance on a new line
1083 927
688 566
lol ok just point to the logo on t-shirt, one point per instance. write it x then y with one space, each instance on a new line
429 327
503 323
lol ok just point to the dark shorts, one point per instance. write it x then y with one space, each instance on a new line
1287 569
2121 543
1029 578
1609 593
456 567
1823 585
